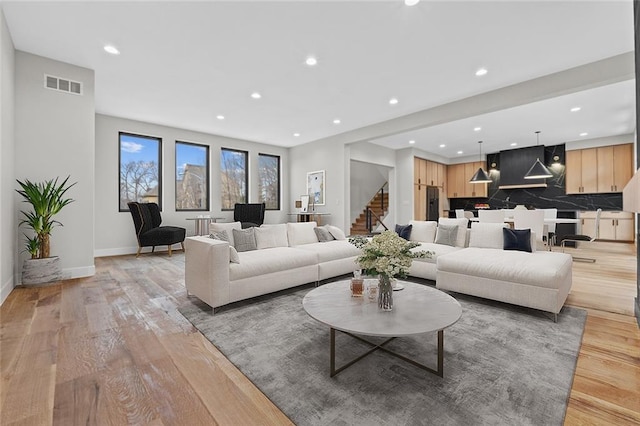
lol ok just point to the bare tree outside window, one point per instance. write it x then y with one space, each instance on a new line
234 177
140 159
192 176
269 181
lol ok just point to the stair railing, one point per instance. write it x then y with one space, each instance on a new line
370 213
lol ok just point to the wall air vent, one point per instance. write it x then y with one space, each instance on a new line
62 84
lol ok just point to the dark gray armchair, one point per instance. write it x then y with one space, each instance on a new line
249 214
147 220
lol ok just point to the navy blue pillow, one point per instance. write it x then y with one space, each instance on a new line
517 239
404 231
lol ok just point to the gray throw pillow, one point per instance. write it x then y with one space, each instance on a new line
219 235
245 239
323 235
447 234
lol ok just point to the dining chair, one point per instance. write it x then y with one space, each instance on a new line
551 226
530 219
508 213
459 213
491 216
582 238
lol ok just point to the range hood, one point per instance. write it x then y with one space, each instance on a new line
514 164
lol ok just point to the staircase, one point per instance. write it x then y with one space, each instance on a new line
378 205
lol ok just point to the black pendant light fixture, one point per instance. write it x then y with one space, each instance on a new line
538 170
481 176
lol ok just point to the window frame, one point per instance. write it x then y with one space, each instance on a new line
246 175
136 135
260 154
207 176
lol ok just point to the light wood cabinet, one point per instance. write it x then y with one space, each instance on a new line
614 225
426 173
458 185
598 170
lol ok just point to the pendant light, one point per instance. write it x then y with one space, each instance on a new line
481 176
538 170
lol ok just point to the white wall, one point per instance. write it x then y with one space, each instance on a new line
8 249
114 230
331 157
54 137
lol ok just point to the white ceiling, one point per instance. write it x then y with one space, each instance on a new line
181 64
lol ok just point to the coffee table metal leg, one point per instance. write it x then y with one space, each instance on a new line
439 372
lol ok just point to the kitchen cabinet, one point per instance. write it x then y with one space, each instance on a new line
598 170
581 171
427 173
614 225
458 185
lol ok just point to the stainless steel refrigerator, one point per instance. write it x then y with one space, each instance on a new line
433 203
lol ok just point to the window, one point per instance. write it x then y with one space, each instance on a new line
269 181
192 176
140 162
234 177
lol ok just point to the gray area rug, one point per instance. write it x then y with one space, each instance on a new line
503 365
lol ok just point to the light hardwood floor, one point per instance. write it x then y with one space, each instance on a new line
112 349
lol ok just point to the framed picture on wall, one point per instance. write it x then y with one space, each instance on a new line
315 187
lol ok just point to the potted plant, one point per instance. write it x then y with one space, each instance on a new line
47 199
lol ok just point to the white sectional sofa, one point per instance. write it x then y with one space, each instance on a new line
479 266
287 255
469 261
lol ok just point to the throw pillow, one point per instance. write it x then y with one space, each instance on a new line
447 234
323 234
337 233
233 255
423 231
404 231
463 223
225 226
300 233
486 235
279 233
219 235
517 239
245 239
265 237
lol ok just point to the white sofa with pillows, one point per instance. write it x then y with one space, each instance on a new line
492 261
234 264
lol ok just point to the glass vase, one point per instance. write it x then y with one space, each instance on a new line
385 293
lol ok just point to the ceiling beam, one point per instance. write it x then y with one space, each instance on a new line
607 71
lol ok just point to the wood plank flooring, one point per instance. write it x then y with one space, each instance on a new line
112 349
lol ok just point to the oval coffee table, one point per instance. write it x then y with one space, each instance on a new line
417 309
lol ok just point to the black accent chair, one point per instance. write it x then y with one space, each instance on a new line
584 238
147 220
249 214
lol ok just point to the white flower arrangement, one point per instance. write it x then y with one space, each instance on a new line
387 254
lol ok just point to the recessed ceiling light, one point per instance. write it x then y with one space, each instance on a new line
393 101
220 117
256 95
460 152
584 134
411 2
442 145
514 144
111 49
412 142
336 121
477 129
311 61
296 134
575 109
481 72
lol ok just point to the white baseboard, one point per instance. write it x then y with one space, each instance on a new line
127 250
82 271
6 289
